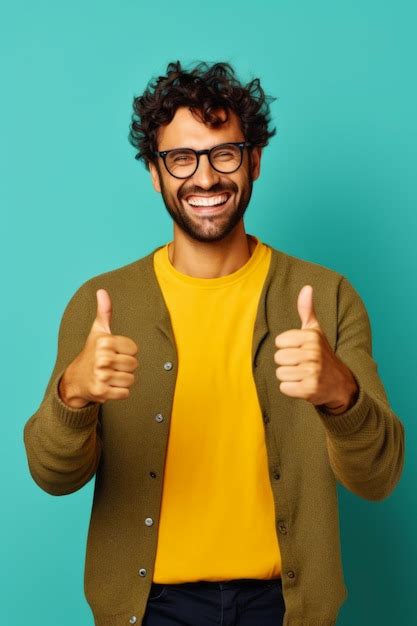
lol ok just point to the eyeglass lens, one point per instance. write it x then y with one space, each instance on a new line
183 162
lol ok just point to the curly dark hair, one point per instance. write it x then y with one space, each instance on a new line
204 89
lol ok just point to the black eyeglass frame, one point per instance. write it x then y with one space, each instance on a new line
208 151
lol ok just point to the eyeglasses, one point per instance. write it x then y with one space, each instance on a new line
183 162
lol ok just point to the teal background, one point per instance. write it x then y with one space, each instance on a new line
337 187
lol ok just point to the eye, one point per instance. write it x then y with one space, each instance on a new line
226 153
183 157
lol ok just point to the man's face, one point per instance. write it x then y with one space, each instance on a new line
204 223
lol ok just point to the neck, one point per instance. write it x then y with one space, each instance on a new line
208 260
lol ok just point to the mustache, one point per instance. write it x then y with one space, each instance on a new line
216 189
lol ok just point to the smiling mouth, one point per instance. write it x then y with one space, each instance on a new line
208 204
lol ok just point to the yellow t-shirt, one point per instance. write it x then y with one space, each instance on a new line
217 517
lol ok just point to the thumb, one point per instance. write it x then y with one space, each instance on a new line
104 310
306 308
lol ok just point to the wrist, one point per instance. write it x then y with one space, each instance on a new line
347 401
68 393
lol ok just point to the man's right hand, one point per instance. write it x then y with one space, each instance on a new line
103 369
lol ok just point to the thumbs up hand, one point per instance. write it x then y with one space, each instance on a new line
309 368
103 369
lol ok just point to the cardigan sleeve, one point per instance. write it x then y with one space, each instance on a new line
62 443
365 443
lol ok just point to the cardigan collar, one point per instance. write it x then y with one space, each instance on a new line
261 327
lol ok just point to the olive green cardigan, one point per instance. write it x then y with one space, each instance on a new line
123 442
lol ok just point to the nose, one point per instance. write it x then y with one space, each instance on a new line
205 175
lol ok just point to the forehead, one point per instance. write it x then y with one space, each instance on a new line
187 130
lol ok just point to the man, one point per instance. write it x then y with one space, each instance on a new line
217 388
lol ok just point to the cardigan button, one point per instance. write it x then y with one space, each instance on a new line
277 475
282 528
149 521
133 619
266 418
159 417
168 365
291 574
142 571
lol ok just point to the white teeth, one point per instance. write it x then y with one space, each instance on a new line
200 201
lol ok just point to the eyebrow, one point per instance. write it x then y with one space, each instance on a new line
213 146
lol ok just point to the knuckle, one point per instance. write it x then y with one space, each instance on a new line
314 353
100 375
104 342
97 390
103 360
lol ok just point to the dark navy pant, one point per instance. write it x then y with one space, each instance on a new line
240 602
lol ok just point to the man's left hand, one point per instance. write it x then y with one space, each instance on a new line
309 368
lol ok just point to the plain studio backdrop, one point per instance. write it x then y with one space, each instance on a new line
337 187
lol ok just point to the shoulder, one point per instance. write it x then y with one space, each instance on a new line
333 288
134 271
297 268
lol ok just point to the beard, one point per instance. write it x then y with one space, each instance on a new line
208 228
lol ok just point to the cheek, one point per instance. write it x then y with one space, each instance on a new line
169 189
238 182
176 194
244 186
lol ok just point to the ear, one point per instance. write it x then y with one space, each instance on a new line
256 162
155 176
